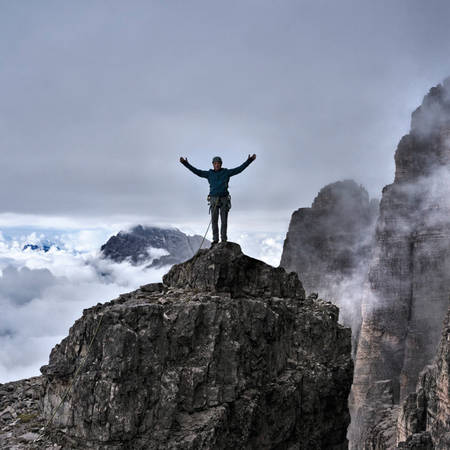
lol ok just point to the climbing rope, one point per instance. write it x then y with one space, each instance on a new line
69 388
207 229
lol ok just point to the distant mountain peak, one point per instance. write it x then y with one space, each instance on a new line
41 246
136 245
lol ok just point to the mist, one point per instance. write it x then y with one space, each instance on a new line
43 292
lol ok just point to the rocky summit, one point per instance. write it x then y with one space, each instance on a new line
226 353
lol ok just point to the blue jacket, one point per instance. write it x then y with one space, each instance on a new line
218 180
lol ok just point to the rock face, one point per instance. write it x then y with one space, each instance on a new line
422 421
226 353
427 411
229 270
329 246
409 275
137 246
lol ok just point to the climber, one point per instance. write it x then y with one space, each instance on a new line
219 197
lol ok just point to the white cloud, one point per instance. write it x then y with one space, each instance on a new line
43 293
266 246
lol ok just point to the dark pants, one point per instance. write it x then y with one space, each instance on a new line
219 205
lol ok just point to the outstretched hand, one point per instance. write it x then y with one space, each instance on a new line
253 157
183 160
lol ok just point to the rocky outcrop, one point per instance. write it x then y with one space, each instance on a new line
229 270
409 282
226 353
144 244
427 411
329 246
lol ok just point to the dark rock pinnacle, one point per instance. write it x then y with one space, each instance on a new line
227 353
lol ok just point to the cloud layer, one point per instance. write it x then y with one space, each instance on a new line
43 292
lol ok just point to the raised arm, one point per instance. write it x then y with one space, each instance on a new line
239 169
200 173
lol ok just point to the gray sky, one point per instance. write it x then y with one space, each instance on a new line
99 99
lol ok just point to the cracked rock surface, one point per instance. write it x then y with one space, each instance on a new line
408 277
229 356
21 421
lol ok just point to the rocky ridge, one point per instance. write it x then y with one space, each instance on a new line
138 244
226 353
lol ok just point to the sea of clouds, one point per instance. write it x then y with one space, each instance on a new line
43 291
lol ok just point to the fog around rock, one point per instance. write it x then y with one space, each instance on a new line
409 286
330 245
42 293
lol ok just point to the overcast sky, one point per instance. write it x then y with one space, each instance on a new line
99 99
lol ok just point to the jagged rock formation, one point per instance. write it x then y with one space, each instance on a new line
135 245
327 242
409 276
226 353
427 411
422 421
329 246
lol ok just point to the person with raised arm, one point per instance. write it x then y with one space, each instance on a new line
219 198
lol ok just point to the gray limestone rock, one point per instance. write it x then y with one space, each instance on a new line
329 246
409 282
427 410
135 245
227 353
422 421
419 441
328 241
20 416
225 268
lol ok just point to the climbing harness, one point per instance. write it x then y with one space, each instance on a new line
69 388
227 204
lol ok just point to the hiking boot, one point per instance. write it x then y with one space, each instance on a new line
213 243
